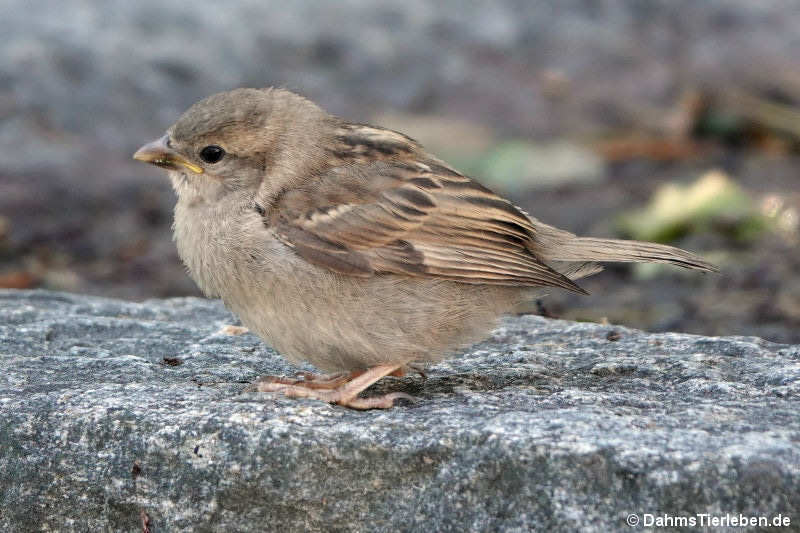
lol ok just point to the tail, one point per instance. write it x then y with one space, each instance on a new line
558 245
611 250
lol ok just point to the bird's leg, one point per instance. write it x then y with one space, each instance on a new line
347 393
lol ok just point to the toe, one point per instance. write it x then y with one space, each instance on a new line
377 402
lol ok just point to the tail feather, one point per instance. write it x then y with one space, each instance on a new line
558 245
608 250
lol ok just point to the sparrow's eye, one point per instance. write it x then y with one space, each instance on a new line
212 153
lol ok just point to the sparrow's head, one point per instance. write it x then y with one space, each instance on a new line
231 139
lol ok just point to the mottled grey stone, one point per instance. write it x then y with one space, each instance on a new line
111 410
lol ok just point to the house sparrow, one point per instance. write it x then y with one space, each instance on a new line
351 247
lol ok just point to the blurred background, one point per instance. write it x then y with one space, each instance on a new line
674 121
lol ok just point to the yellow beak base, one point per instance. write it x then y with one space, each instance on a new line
159 153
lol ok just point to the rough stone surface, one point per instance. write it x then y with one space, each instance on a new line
111 411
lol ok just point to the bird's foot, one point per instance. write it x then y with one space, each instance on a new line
335 396
345 394
309 380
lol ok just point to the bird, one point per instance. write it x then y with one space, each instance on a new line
352 248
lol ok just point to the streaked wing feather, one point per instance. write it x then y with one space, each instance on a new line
429 221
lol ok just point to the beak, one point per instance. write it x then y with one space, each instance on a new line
161 155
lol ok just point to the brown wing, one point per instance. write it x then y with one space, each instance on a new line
410 215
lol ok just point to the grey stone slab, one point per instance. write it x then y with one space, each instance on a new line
112 410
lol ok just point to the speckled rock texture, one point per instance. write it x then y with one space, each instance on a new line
116 414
